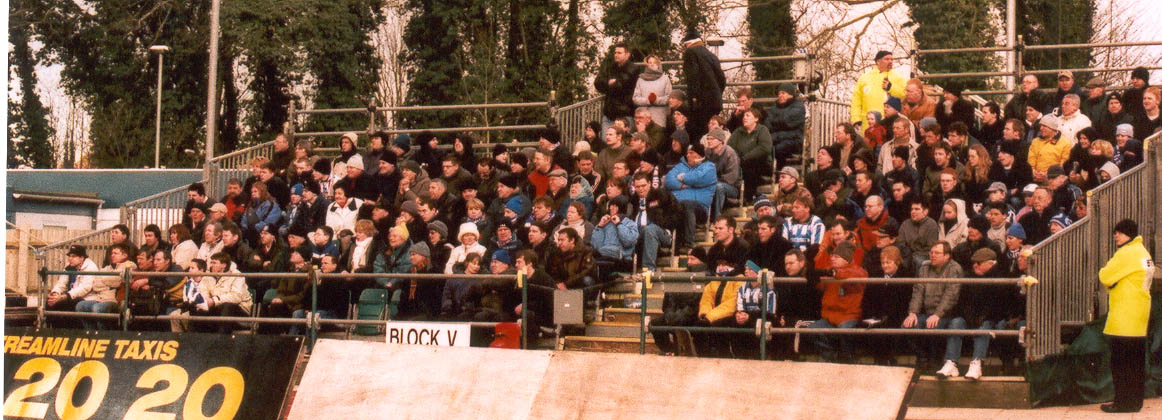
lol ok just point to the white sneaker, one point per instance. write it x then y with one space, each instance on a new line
973 370
949 370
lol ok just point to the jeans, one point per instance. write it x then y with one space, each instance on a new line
694 211
952 345
828 344
721 193
653 238
302 313
93 306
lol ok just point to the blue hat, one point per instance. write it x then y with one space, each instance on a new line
1061 219
762 201
515 205
502 256
894 102
1017 231
297 189
751 265
403 141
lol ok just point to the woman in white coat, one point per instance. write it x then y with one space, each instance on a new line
653 90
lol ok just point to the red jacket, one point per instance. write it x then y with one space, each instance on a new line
838 307
867 230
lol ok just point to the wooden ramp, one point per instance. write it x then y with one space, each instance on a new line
364 380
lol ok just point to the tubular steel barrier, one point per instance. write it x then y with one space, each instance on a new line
312 321
766 280
163 209
56 254
571 120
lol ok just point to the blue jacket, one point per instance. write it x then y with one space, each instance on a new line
697 185
267 213
398 262
616 241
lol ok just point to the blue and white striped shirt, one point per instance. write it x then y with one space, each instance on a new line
803 235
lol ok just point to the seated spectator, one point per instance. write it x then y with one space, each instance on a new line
727 246
573 264
1127 149
616 186
1115 114
581 192
788 190
98 294
1015 174
750 307
540 299
212 241
540 242
986 307
68 290
234 200
954 108
841 304
900 204
825 169
223 296
998 215
835 203
726 165
543 212
865 186
953 223
919 232
762 208
291 291
170 288
394 257
341 214
468 245
322 244
976 239
498 297
419 299
505 239
184 248
752 142
151 240
902 136
798 304
693 182
615 151
197 218
803 229
457 301
717 307
769 249
615 237
575 219
1036 221
874 218
656 211
991 128
586 162
933 304
875 134
652 132
886 305
439 245
1048 149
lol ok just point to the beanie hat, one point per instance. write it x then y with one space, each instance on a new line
507 224
422 249
691 35
1125 130
502 256
78 251
389 156
298 229
551 134
651 156
297 189
410 207
520 159
1049 121
1061 220
891 228
751 265
762 201
351 135
983 254
467 184
894 102
322 166
402 141
1140 73
1017 231
412 166
467 228
789 88
498 150
980 223
356 161
720 134
790 171
1127 227
510 180
581 146
515 205
1114 95
697 148
844 250
304 253
440 228
681 136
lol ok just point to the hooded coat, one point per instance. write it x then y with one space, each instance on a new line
656 83
958 232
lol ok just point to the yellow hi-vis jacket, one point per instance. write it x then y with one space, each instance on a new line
1128 275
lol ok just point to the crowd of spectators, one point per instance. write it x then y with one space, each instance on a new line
913 186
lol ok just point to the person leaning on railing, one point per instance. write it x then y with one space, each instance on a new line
99 294
71 288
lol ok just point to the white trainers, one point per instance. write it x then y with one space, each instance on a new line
973 370
949 370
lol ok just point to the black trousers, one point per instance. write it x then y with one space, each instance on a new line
1128 365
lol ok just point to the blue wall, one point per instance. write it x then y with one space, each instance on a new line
116 186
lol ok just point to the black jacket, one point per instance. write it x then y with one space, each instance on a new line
619 95
662 208
705 80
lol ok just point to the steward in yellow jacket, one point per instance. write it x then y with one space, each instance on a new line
1127 275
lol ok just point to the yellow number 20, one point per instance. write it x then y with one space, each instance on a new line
15 405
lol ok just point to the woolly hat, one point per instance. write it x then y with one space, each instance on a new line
222 207
1140 73
691 35
402 141
720 134
515 205
955 90
440 228
507 224
422 249
844 250
983 254
762 201
297 189
1125 130
997 186
389 156
652 157
581 146
520 159
980 223
412 166
789 88
304 253
510 180
1055 171
697 148
410 207
465 184
1110 168
502 256
790 171
891 228
1061 220
1010 147
894 102
299 230
356 161
322 166
467 228
498 150
1127 227
751 265
681 136
350 135
1017 231
78 251
1049 121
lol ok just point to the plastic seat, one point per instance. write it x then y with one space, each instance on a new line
372 305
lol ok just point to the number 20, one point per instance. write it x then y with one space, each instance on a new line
15 405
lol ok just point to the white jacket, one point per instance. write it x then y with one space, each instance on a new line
339 218
62 282
185 252
460 253
100 288
660 87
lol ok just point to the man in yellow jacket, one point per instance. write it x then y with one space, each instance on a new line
873 88
1048 149
1127 276
716 309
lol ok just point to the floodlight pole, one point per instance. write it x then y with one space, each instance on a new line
212 84
160 50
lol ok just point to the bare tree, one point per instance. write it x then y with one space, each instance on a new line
391 88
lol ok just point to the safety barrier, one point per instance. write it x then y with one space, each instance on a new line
56 254
312 323
767 280
571 120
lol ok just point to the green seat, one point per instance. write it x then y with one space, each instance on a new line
269 296
371 306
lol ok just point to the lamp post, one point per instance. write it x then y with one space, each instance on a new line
160 50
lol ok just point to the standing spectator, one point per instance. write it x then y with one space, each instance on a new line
749 310
955 108
873 88
991 128
745 102
752 142
917 105
263 211
932 305
615 151
1115 114
786 120
617 82
1132 97
726 164
234 200
1065 86
705 82
693 182
1127 276
1094 105
653 91
1015 108
1149 119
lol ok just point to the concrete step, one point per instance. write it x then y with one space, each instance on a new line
1004 392
613 329
617 300
609 344
630 315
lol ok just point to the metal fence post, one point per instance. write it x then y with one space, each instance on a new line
289 127
645 285
524 308
41 304
313 277
764 276
126 278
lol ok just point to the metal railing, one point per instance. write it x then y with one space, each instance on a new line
163 209
571 120
378 117
56 254
767 280
312 322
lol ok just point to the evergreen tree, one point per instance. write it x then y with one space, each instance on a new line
772 32
433 41
1047 22
28 128
341 59
954 24
645 25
